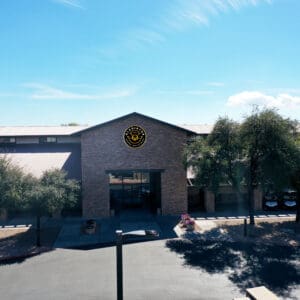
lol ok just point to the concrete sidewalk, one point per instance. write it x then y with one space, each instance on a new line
72 235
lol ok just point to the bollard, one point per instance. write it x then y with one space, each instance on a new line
245 227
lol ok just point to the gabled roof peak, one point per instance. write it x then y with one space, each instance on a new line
135 114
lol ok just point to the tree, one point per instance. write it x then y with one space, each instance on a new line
295 181
261 150
63 191
71 124
11 185
51 194
37 203
199 156
270 151
225 142
216 159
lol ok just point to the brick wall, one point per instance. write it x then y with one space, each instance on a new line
103 149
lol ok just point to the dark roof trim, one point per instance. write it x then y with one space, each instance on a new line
134 114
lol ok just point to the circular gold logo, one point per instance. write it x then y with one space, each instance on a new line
135 136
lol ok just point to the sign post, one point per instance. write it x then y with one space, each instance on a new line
119 243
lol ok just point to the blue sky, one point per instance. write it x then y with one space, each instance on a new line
182 61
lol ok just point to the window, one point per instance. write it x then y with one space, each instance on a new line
7 140
48 140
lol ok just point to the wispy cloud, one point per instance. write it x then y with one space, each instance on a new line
186 13
258 98
279 90
181 15
135 38
46 92
70 3
176 16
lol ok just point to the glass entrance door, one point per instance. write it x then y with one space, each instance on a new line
134 190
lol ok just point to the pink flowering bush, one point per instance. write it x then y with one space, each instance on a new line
185 217
187 221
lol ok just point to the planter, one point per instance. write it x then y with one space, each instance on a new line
90 226
187 222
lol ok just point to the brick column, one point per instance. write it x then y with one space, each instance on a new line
209 201
258 197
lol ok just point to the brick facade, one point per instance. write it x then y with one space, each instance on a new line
103 148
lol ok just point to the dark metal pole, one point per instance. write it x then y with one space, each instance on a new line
298 207
119 242
38 230
245 227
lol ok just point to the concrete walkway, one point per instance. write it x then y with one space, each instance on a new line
72 235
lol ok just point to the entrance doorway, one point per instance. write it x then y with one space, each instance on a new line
135 191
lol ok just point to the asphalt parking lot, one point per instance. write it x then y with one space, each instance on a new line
170 268
151 271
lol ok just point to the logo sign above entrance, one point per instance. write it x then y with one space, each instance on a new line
135 136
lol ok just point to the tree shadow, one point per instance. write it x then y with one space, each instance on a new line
20 246
248 264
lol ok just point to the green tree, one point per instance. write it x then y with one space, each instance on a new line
270 151
225 142
216 159
296 184
260 151
64 192
37 203
71 124
11 185
51 193
199 157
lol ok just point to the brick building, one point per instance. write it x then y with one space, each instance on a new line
133 162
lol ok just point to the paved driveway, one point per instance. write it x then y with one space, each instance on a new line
151 271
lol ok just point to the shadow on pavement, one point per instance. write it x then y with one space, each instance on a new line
19 246
72 237
248 264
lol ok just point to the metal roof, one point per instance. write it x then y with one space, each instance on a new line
39 130
36 159
7 131
198 128
14 131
